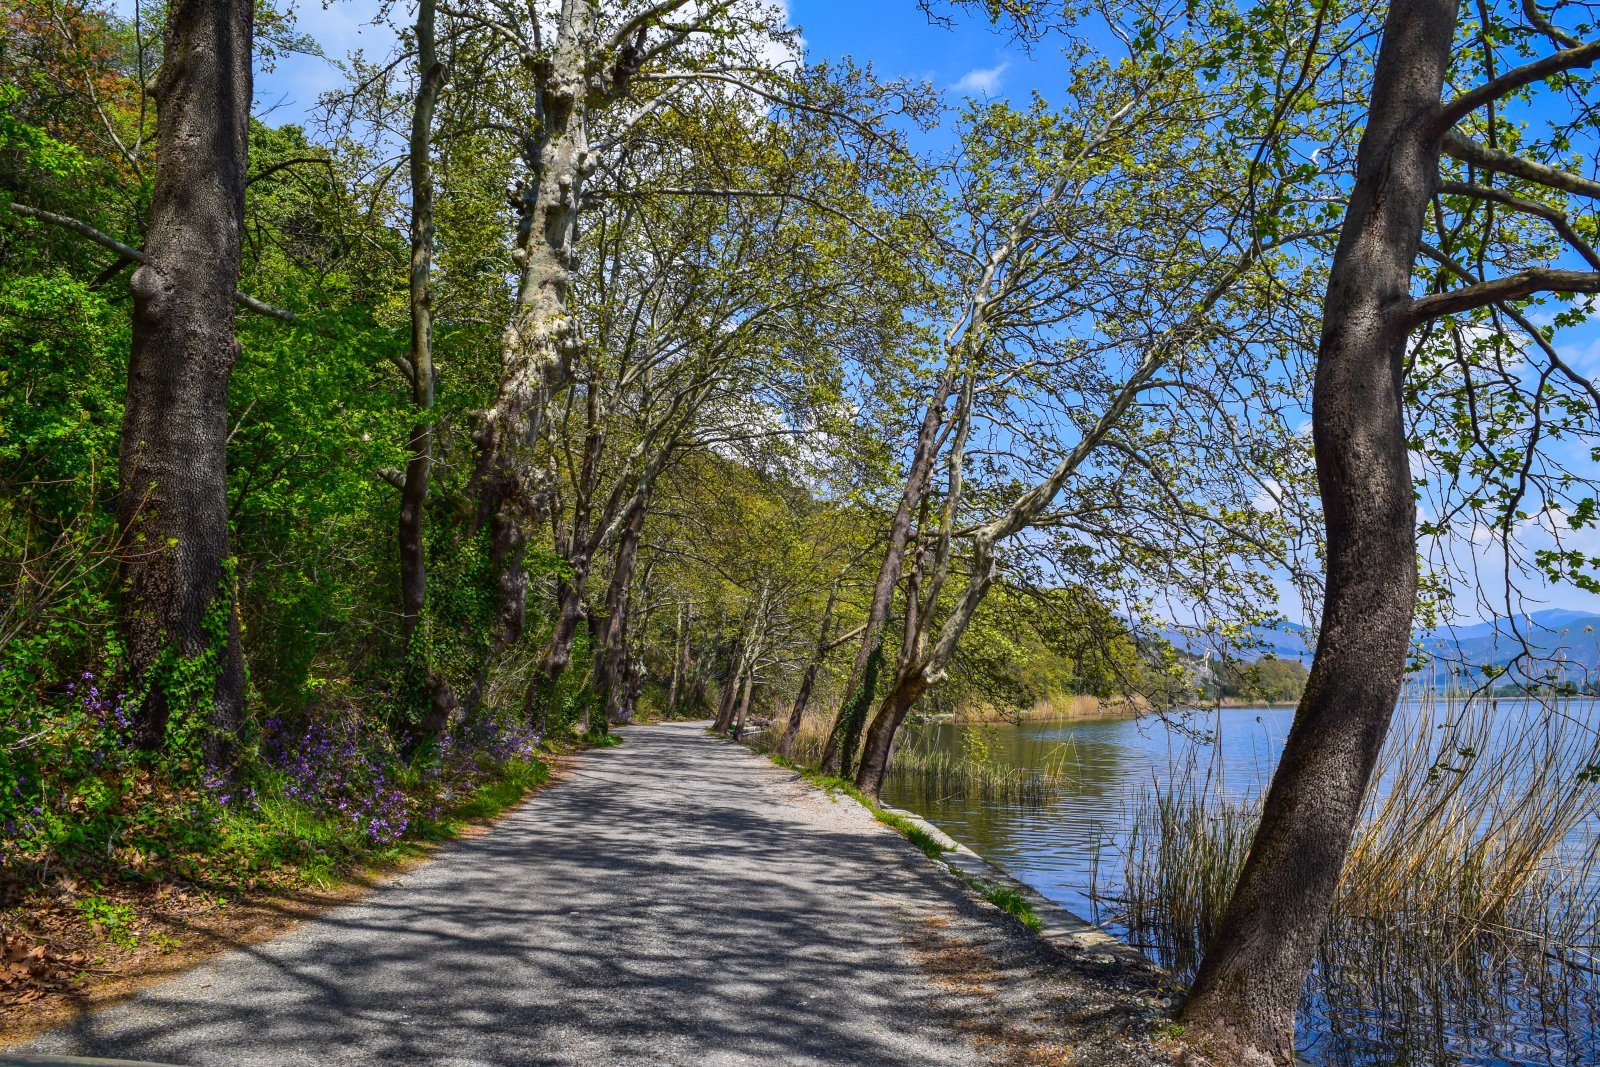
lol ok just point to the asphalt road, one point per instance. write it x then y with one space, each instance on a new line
675 900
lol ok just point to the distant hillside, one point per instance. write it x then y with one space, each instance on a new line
1285 640
1562 642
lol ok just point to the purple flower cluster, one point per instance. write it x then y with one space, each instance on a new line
344 766
343 772
59 760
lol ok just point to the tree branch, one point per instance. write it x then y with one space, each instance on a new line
1459 146
1454 111
285 165
1536 19
128 252
1556 218
1512 287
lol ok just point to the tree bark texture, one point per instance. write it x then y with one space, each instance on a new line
916 486
179 618
538 343
1244 997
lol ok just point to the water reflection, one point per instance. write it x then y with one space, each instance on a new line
1389 1005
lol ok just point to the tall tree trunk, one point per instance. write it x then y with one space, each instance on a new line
612 655
414 492
1244 997
177 584
808 680
545 681
879 745
699 672
882 604
744 703
926 666
680 664
597 624
730 693
577 551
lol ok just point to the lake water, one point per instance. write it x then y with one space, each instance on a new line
1069 844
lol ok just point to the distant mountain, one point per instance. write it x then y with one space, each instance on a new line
1284 640
1560 641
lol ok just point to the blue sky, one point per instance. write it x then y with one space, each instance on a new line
970 58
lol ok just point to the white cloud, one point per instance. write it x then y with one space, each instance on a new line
982 81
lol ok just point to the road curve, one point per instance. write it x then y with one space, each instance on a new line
675 900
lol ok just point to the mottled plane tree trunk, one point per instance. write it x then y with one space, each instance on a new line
1244 997
180 622
581 62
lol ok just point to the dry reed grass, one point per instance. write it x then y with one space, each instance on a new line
1469 907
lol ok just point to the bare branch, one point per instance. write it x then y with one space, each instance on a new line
1454 111
1459 146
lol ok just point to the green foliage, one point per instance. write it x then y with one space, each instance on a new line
115 922
60 414
1280 681
854 715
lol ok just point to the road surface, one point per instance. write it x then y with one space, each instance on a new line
673 900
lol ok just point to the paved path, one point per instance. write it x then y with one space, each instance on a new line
676 900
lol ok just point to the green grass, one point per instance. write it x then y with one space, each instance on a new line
1008 899
513 782
830 784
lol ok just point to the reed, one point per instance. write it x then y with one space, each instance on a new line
1469 906
920 764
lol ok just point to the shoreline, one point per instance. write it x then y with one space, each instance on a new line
1104 712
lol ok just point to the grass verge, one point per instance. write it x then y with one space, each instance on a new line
830 784
92 936
1008 899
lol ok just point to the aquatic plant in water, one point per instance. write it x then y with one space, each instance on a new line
1467 918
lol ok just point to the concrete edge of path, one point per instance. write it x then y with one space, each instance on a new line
1064 930
1061 929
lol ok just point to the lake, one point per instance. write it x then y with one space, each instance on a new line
1369 1008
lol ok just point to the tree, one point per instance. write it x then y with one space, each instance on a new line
1098 395
419 365
179 616
1246 991
576 67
